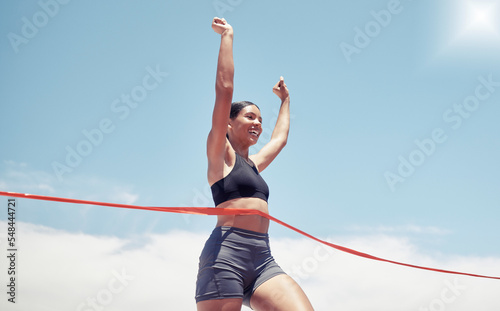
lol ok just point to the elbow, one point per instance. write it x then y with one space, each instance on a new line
224 90
282 141
224 85
284 137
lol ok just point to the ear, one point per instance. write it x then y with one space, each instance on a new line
229 127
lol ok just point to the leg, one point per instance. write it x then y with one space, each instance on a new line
229 304
219 286
280 293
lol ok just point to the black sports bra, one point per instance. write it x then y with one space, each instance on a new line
244 181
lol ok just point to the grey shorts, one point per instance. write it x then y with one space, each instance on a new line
233 263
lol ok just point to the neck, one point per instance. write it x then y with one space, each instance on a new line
240 149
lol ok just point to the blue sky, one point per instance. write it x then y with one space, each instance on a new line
394 114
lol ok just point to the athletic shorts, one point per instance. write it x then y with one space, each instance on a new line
233 263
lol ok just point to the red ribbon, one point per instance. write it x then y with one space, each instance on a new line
231 211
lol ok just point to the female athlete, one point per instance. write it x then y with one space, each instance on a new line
236 267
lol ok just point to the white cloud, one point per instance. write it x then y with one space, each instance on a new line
20 177
404 229
123 195
62 271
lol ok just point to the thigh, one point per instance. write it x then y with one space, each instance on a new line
280 293
230 304
219 275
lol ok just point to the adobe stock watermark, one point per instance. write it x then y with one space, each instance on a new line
455 117
121 108
310 264
201 198
363 36
105 296
267 131
302 271
448 295
31 26
223 6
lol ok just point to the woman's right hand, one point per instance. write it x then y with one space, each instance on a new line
219 25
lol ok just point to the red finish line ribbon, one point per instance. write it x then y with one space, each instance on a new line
231 211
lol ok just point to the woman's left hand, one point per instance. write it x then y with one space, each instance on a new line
220 25
281 90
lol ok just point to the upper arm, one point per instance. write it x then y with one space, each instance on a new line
220 117
217 141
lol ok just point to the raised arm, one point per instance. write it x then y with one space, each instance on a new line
216 142
279 137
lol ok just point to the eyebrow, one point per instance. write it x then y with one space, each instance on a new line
254 114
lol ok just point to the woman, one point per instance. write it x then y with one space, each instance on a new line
236 266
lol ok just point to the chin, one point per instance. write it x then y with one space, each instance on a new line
253 141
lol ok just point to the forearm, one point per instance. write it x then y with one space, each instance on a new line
282 127
225 64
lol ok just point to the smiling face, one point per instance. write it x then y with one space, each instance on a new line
246 127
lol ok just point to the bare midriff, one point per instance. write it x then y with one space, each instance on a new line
248 222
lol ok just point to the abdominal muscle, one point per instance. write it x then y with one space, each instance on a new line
248 222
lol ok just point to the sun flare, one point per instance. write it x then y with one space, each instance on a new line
481 17
477 21
470 28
